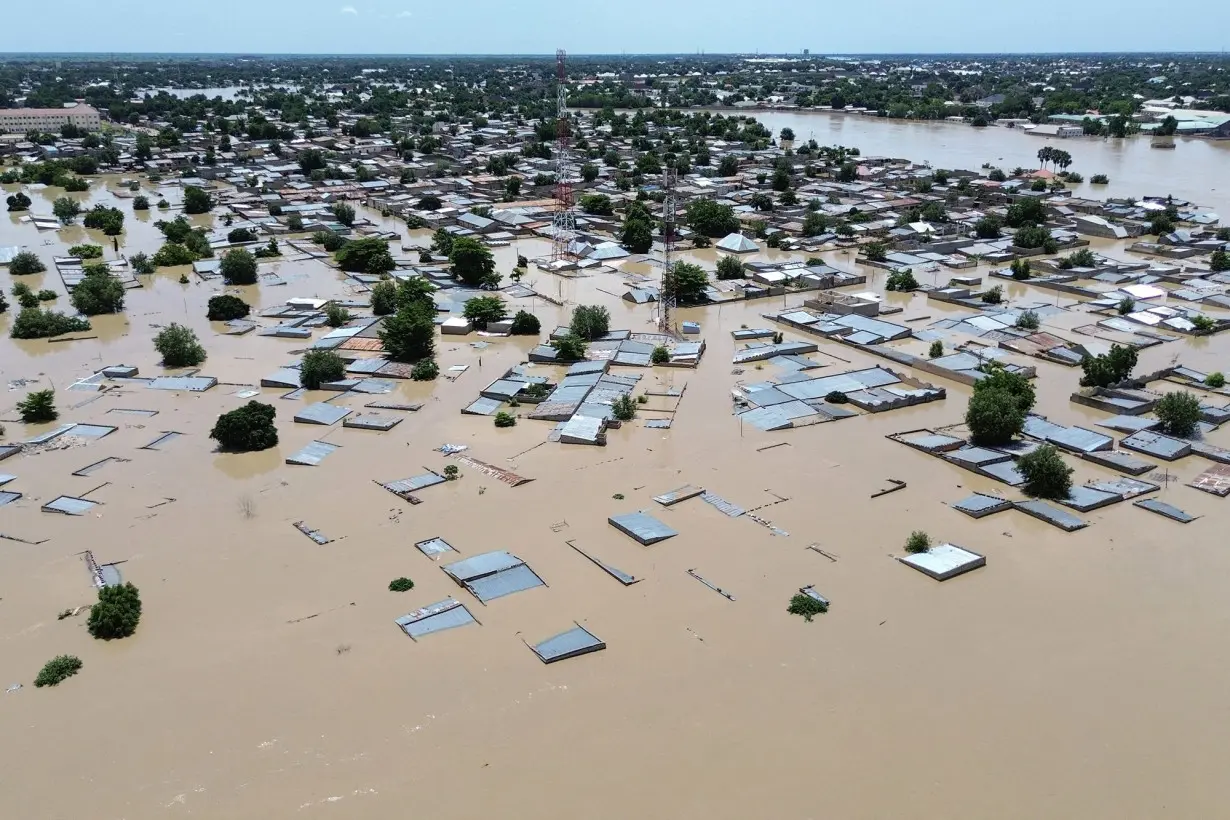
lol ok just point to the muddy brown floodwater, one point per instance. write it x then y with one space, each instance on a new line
1076 675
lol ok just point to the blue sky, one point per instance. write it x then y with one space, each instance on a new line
586 26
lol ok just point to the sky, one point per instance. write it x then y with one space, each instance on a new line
620 26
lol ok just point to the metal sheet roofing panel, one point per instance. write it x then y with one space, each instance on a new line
418 482
477 566
312 454
643 527
446 614
193 384
433 547
322 413
93 430
505 582
570 644
68 505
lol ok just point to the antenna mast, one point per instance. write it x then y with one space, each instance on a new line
565 222
667 299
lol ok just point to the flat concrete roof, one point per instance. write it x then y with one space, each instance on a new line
944 561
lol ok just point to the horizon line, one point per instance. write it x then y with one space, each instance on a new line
715 54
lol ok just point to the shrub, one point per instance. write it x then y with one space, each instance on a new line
918 542
238 268
163 204
58 669
1028 320
994 416
46 295
569 348
65 209
1046 474
1108 368
26 263
140 203
836 397
38 407
226 307
36 323
1215 380
806 606
86 251
1020 269
384 298
425 370
1032 236
1100 179
246 429
1202 323
505 419
1179 412
660 355
294 223
409 334
319 367
239 235
141 264
876 252
590 322
937 349
117 612
1126 305
108 220
624 408
98 292
993 296
1082 258
901 280
451 472
401 585
336 315
18 202
178 346
526 324
1219 261
483 310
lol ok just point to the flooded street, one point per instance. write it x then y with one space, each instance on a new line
1076 675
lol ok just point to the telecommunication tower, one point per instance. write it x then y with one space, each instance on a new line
565 222
667 300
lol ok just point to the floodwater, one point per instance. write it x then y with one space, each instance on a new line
1076 675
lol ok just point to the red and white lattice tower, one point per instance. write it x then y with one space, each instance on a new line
668 299
565 223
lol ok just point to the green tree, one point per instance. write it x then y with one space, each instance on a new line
483 310
637 234
1108 368
337 316
240 235
814 224
367 255
728 267
589 172
98 292
1032 236
937 349
34 323
988 227
38 407
117 612
1024 212
226 307
761 202
425 370
1028 320
1046 475
26 263
18 202
1179 412
1020 269
320 367
172 254
65 209
442 242
410 333
238 267
624 408
590 322
108 220
473 263
994 417
902 281
569 347
57 670
690 283
597 204
343 213
876 252
329 240
140 203
178 346
1219 261
710 218
1215 381
505 419
384 298
246 429
416 290
526 324
196 201
997 377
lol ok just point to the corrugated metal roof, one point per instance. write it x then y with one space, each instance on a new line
193 384
165 438
446 614
372 421
409 485
433 547
570 644
506 582
322 413
93 430
68 505
477 566
643 527
483 407
1161 508
312 454
8 496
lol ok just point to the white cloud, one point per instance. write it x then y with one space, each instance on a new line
404 14
349 10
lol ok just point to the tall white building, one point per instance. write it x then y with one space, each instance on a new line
48 120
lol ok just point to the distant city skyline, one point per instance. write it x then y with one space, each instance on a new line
632 26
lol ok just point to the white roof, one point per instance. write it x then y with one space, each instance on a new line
1143 291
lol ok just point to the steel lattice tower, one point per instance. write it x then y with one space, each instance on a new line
667 298
565 222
